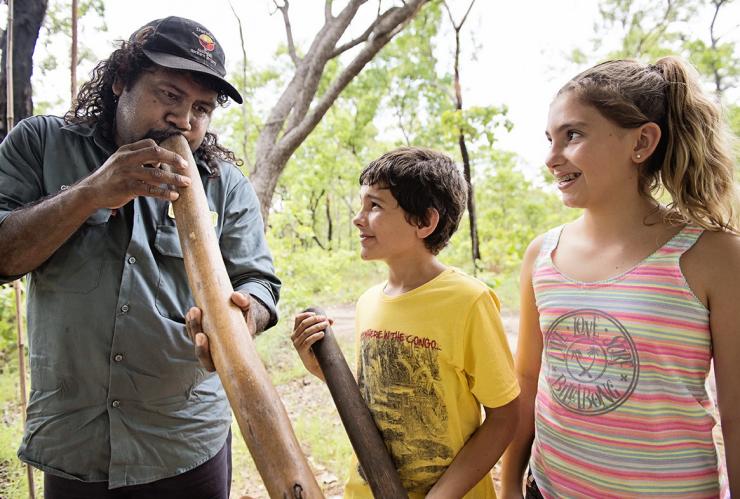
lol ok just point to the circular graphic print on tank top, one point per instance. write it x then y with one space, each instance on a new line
592 362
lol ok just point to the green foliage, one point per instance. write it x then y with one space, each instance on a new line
732 113
512 210
476 123
56 32
13 480
58 18
314 277
648 30
321 431
12 473
316 195
720 63
8 331
733 118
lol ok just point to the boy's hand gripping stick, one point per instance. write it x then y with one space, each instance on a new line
373 455
257 407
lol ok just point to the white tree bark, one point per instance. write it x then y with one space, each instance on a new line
299 109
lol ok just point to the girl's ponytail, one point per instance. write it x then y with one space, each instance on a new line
697 167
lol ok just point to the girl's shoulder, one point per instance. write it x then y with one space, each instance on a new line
715 247
544 242
535 248
712 263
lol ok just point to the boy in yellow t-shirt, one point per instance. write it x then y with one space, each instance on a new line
432 348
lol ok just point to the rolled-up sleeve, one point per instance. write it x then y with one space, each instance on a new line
20 172
244 248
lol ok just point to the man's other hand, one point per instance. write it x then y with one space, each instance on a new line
194 326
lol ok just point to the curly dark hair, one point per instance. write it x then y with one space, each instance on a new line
96 103
420 179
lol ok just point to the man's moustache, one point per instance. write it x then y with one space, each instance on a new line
160 135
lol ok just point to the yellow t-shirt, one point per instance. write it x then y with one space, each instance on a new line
427 361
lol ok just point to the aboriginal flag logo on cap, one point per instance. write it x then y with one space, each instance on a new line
207 42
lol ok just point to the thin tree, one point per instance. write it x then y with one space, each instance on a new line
245 155
472 217
10 122
716 62
299 108
73 57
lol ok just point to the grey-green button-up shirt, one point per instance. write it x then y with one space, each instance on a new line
116 392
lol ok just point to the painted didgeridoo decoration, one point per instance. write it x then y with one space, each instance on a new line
256 404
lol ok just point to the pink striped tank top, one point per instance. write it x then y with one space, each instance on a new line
622 409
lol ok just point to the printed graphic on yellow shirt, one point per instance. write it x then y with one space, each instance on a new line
400 381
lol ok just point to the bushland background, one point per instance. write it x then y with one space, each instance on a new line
328 87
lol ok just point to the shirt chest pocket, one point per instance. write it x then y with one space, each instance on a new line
173 294
76 266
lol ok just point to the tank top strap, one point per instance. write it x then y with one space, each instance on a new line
681 242
549 242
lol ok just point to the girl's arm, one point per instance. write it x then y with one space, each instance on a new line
722 267
528 358
479 454
712 269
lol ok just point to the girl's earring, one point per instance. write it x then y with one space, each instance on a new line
639 156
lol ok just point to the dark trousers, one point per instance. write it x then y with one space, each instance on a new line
531 489
210 480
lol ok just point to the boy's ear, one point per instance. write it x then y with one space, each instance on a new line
425 229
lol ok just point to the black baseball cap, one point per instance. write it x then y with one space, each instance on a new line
180 43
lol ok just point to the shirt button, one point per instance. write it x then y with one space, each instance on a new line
116 403
124 309
118 357
131 260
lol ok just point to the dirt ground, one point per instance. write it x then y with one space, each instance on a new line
296 396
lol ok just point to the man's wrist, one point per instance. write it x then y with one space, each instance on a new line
260 314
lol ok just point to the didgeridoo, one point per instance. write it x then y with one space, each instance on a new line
262 419
372 454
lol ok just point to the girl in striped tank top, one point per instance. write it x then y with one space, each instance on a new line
624 309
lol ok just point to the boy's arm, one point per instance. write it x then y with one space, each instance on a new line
480 452
528 359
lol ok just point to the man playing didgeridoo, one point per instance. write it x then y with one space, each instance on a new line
120 405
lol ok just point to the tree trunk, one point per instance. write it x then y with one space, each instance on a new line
73 57
329 224
299 109
714 39
472 216
27 18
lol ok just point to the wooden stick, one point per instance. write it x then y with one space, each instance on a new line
18 288
9 123
372 453
257 407
9 97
